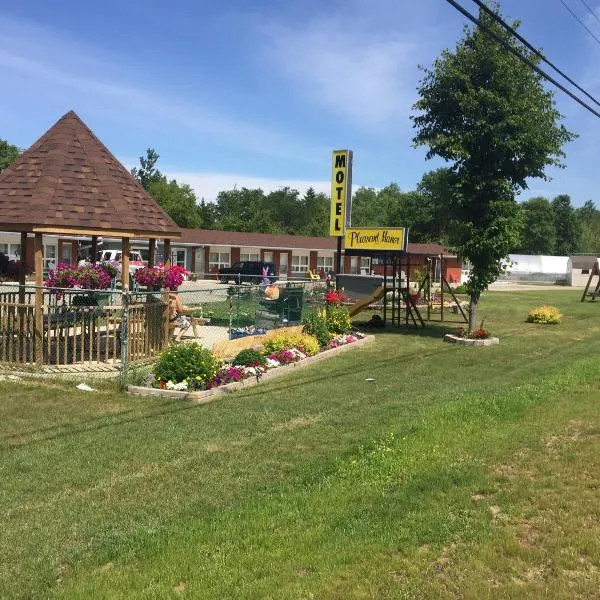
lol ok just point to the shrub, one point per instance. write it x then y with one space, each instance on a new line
186 362
281 340
250 358
338 320
544 314
315 324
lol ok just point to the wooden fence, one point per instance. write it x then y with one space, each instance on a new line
73 332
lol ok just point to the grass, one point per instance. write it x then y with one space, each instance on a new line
456 473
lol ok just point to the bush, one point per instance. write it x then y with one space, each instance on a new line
279 341
338 320
249 358
459 289
186 362
314 324
544 314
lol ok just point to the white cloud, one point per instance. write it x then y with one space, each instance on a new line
72 74
353 64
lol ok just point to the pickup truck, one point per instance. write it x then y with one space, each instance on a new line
135 258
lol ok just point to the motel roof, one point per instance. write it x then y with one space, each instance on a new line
215 237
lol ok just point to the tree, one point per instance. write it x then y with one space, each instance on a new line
8 154
589 221
147 173
244 210
538 231
487 113
567 225
178 201
315 208
435 190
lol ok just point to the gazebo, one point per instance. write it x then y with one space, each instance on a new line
68 183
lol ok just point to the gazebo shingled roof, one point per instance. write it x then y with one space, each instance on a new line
69 182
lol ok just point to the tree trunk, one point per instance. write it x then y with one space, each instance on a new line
473 312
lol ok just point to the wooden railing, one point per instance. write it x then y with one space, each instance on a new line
68 333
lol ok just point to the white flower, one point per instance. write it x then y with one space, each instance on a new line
297 353
182 386
272 363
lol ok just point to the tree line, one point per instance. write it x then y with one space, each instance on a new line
546 226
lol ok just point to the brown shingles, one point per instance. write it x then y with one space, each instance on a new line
69 178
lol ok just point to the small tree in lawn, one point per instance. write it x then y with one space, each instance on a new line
487 114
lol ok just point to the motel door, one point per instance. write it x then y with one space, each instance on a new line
283 265
178 257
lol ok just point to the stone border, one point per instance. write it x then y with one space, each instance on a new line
454 339
206 396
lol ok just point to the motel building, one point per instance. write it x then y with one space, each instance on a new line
205 251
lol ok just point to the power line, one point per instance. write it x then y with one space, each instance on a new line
516 34
580 22
592 11
522 58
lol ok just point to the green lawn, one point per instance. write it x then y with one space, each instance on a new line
457 473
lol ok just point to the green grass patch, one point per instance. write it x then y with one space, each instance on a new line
456 472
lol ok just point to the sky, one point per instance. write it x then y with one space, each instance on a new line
257 93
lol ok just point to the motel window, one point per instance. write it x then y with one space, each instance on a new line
300 263
13 251
585 271
67 254
49 257
325 263
248 256
218 260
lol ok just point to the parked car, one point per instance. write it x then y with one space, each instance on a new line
249 271
135 259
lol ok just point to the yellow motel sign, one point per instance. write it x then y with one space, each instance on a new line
376 238
341 191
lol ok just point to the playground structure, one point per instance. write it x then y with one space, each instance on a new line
595 272
400 302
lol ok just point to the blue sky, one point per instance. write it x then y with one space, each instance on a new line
259 93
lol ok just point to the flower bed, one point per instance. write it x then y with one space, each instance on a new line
231 377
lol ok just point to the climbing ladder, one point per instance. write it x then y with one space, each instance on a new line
595 272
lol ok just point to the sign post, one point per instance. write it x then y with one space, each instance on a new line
341 199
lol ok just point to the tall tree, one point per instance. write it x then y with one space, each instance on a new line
208 214
436 189
538 230
178 201
8 154
147 173
589 222
487 113
244 210
567 225
315 208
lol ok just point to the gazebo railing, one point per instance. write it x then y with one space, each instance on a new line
80 327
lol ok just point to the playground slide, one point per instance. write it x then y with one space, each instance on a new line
377 294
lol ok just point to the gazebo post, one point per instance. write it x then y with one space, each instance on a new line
22 273
167 264
125 262
94 249
167 252
151 252
23 267
38 249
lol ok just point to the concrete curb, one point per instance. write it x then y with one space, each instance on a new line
209 395
454 339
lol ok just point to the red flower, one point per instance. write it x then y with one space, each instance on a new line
335 297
